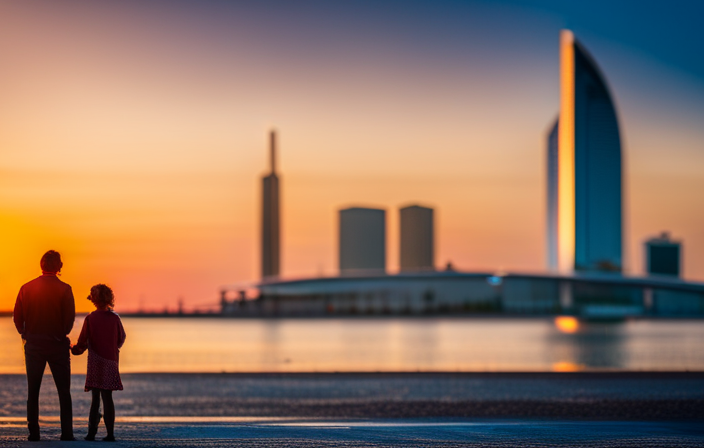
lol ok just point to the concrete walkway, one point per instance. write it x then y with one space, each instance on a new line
379 410
265 432
569 396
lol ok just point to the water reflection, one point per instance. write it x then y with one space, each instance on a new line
393 344
271 335
576 345
567 324
418 343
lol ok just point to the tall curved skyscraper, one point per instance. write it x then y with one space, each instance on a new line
584 169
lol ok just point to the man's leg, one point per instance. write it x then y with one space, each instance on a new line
35 363
60 365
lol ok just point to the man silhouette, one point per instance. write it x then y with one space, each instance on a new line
44 314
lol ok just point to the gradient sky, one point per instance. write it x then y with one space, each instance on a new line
133 134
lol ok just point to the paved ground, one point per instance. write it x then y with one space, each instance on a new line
376 410
610 396
445 432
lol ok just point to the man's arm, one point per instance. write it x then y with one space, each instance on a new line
18 314
68 308
82 343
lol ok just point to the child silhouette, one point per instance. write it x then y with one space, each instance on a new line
102 335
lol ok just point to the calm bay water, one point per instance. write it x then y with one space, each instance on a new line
432 344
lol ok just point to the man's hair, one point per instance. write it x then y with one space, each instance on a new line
51 261
102 297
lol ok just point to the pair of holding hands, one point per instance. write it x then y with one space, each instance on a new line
76 350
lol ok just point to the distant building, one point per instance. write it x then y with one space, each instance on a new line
417 239
584 169
362 240
594 296
270 216
663 256
552 171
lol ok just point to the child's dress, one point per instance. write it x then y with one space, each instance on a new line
102 335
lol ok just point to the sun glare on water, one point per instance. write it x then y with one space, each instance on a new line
567 367
567 324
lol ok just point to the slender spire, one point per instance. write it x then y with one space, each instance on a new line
270 215
272 149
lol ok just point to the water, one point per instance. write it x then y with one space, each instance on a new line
394 344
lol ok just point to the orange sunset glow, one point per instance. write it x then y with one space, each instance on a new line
567 324
133 137
566 185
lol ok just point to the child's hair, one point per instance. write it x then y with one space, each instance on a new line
102 297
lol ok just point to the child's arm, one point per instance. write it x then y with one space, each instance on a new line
82 343
121 336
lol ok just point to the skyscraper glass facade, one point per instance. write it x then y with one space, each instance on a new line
585 191
552 170
598 222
